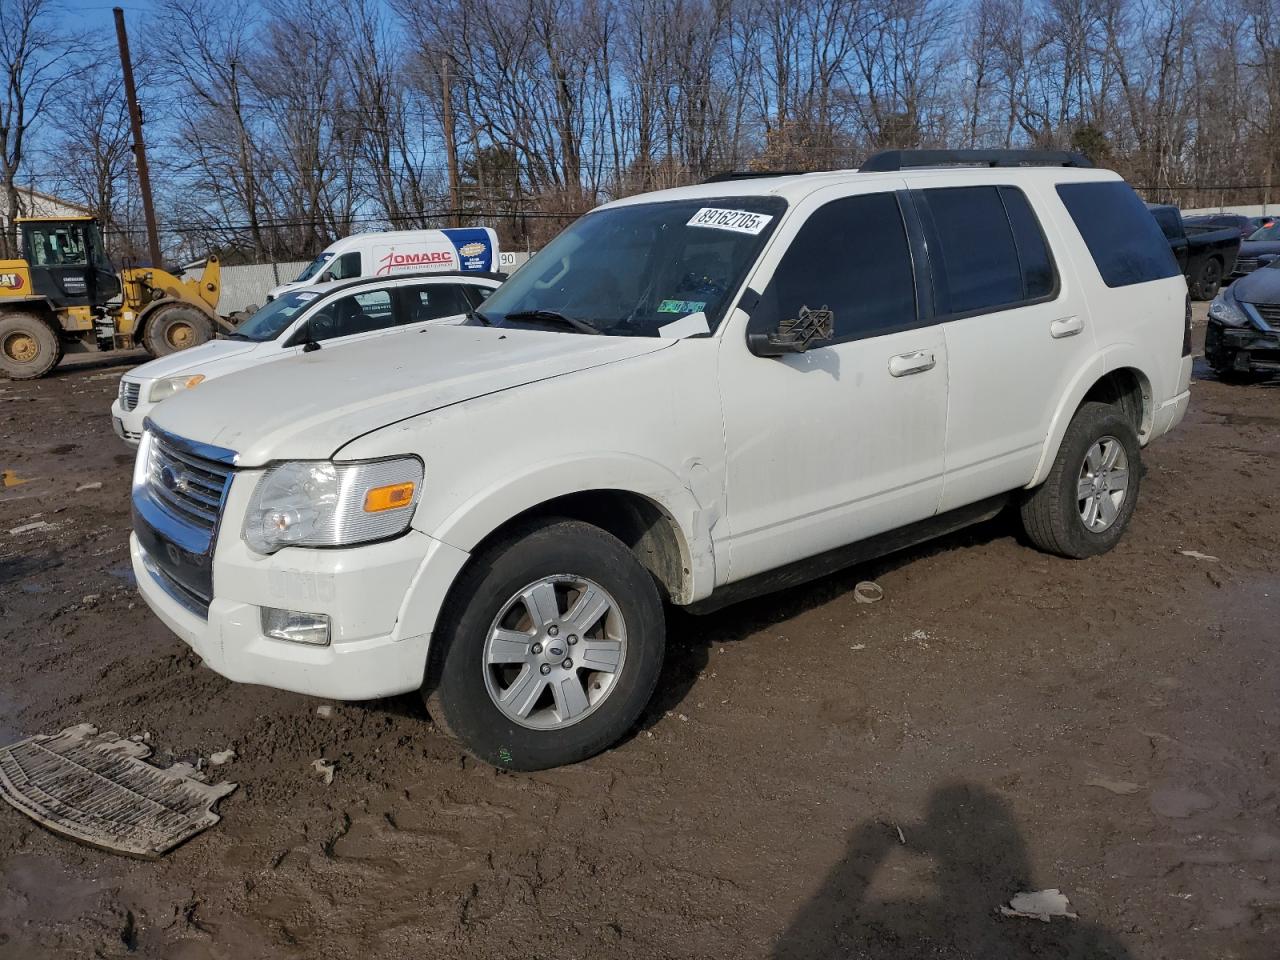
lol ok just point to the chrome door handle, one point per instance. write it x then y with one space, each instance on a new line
907 363
1065 327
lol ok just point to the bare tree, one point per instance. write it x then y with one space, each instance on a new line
35 55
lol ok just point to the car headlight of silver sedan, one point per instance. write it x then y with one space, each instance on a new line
307 503
163 389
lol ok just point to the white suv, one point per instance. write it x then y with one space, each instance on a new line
687 397
332 314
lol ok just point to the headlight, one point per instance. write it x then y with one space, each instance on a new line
163 389
322 504
1227 312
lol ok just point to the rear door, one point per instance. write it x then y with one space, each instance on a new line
422 304
1016 329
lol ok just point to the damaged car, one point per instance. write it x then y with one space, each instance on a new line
1242 339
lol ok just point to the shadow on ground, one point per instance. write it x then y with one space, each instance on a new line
977 860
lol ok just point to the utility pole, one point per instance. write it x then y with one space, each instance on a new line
450 147
139 148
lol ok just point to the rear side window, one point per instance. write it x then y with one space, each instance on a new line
1039 275
852 257
990 253
434 301
1123 238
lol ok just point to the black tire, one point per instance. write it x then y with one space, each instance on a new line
173 328
457 691
29 347
1051 514
1208 280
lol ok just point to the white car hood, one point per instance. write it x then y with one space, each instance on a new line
309 406
185 361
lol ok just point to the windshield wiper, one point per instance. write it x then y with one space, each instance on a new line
553 316
237 336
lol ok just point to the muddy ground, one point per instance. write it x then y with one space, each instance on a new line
816 778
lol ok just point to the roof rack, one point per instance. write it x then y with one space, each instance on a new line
887 161
750 175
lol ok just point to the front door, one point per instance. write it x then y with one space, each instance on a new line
846 440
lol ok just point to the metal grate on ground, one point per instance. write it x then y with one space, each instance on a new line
98 790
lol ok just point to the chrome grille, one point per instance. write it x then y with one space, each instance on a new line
187 486
129 394
1269 312
1247 264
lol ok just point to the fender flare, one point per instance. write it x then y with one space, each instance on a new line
690 505
1115 357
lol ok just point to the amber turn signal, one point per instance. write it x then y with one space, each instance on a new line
390 497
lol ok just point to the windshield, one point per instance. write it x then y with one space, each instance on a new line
59 244
314 267
273 319
1267 233
632 270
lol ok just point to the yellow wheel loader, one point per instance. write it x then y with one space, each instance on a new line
64 297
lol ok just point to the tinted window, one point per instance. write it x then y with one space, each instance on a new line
1123 238
852 257
1039 276
433 301
355 313
476 293
1170 221
976 263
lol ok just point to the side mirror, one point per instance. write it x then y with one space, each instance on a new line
324 277
812 328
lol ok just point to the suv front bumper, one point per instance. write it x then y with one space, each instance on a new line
382 600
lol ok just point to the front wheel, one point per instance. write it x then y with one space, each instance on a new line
174 328
548 649
29 347
1084 506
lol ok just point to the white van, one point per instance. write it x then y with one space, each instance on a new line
379 253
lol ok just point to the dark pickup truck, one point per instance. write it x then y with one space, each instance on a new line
1205 253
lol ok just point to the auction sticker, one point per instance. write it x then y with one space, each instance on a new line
739 221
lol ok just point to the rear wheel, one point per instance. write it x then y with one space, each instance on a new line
29 347
1084 506
1208 280
175 328
549 649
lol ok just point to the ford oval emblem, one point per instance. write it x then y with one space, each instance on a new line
172 479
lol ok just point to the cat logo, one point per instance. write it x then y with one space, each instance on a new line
11 281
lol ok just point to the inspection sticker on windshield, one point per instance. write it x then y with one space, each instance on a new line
307 296
739 221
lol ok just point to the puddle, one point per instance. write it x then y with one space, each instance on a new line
31 586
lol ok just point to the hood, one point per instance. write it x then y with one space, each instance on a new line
1251 248
1261 286
193 360
311 405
